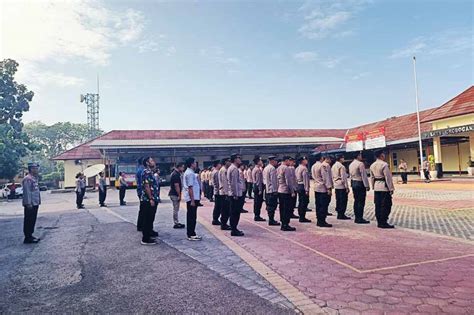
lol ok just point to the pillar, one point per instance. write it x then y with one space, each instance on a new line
438 156
471 145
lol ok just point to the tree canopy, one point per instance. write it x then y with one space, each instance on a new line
15 99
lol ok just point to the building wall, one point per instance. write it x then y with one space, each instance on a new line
71 169
452 157
454 122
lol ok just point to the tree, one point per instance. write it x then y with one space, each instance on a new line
56 138
14 101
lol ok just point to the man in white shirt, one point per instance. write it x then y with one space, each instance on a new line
192 196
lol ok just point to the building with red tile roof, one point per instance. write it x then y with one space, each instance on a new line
124 147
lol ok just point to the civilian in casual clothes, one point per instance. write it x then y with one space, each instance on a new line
80 190
149 201
102 189
31 203
192 196
122 188
176 187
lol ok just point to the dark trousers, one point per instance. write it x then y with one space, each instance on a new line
225 209
216 213
191 216
140 216
80 197
383 206
322 205
427 174
242 202
122 191
29 220
149 213
211 192
249 189
235 208
258 201
404 177
360 194
272 203
303 201
293 201
341 202
102 196
285 208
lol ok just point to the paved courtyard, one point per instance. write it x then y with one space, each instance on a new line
90 260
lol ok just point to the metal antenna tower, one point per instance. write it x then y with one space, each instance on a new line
92 102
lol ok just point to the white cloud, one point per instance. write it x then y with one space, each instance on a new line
40 30
360 75
218 55
324 18
311 56
39 33
305 56
444 43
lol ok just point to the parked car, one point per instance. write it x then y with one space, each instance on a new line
5 190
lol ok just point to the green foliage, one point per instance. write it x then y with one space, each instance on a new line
14 101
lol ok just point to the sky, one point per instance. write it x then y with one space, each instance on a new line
237 64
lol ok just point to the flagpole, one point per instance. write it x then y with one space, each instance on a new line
418 118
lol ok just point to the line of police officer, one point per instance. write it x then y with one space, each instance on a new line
279 183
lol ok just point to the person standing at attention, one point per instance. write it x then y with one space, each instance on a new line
80 190
360 187
302 181
192 196
382 183
149 201
216 212
102 189
176 187
122 188
257 176
341 186
31 203
403 168
235 193
138 178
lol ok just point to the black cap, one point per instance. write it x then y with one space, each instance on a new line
378 153
225 160
286 157
291 158
302 159
33 164
257 159
234 156
339 156
271 157
216 162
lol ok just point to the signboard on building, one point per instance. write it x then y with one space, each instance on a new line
375 138
354 142
447 131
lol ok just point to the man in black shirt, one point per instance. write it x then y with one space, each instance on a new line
176 186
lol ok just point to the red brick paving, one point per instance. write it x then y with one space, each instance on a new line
335 267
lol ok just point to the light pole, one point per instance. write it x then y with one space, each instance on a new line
418 117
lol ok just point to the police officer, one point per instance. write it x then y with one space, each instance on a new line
271 189
216 213
31 203
302 180
102 189
224 194
286 191
341 186
292 178
323 189
235 193
257 177
382 183
360 187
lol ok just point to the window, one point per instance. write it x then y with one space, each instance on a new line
395 159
